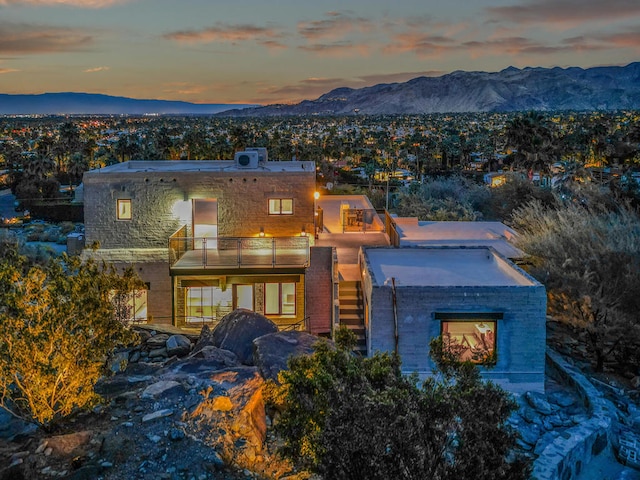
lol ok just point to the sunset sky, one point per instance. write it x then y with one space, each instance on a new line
259 51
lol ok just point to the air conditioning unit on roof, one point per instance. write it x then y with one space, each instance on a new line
246 159
262 154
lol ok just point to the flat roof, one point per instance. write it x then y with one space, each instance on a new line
465 234
443 266
161 166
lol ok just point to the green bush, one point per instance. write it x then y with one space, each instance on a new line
347 417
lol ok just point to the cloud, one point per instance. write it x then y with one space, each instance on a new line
336 26
420 44
225 33
629 38
338 49
72 3
565 11
7 70
23 38
95 70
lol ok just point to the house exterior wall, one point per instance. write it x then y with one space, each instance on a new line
161 195
520 326
160 203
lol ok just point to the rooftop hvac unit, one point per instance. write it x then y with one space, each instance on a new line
262 154
246 159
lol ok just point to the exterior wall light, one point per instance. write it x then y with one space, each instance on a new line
261 234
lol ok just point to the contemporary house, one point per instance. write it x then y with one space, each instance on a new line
207 236
486 309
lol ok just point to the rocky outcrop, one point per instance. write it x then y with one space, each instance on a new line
237 331
272 351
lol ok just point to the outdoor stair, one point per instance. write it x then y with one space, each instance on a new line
352 312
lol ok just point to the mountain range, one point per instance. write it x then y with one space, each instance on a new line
512 89
97 104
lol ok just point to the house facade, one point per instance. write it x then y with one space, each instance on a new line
486 309
206 237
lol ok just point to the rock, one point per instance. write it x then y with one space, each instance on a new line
562 399
237 331
538 402
12 428
157 414
530 434
70 444
272 351
178 345
244 423
160 388
158 353
175 434
530 415
204 340
119 361
157 341
209 352
635 382
134 357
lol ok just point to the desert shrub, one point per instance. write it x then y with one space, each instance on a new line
442 199
57 327
347 417
588 257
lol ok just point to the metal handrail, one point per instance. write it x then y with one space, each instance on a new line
240 252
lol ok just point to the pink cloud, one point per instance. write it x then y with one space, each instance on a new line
222 33
72 3
338 25
565 11
16 38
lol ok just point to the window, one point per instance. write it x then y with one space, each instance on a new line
280 299
470 339
130 307
124 209
281 206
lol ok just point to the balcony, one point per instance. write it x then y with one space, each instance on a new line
237 253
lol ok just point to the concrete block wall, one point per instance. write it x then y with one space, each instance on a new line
319 290
161 203
520 334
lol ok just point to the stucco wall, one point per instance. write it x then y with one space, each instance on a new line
520 334
161 203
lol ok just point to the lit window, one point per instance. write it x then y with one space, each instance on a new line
280 298
130 307
124 209
281 206
470 340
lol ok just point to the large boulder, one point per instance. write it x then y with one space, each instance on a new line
234 406
271 352
237 331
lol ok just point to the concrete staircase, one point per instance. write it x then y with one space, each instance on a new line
352 312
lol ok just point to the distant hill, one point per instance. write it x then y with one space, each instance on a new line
89 103
512 89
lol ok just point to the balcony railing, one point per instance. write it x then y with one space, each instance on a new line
238 252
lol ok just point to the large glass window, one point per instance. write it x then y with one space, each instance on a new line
130 307
470 340
281 206
206 304
124 209
280 299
